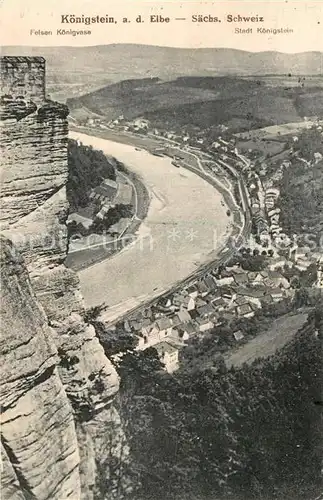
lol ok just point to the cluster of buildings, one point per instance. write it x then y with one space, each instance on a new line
202 306
196 137
111 193
108 194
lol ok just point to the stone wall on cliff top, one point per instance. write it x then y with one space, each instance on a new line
59 382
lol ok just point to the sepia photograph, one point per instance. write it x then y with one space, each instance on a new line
161 250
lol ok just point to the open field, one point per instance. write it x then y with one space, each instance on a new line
274 131
266 147
281 332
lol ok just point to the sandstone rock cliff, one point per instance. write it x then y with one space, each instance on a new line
56 380
37 428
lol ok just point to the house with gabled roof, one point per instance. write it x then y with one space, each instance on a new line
176 321
278 279
277 294
184 332
105 192
241 278
193 314
219 304
192 291
228 280
200 302
164 302
278 262
188 303
168 354
164 325
216 294
210 282
250 295
204 324
245 310
146 326
228 294
184 316
239 301
205 311
178 299
202 288
155 332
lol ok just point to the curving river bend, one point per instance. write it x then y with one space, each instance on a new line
185 226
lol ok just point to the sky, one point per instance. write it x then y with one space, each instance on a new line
305 18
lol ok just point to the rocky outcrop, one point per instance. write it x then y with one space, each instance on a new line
37 428
57 378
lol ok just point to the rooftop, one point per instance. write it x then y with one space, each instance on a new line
238 335
191 289
106 191
256 293
110 182
164 347
244 309
206 310
164 323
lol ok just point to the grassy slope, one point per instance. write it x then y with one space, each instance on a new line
266 344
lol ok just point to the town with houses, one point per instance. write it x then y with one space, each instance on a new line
216 299
267 270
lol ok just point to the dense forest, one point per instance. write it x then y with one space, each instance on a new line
217 434
87 168
301 189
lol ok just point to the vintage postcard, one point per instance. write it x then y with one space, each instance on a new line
161 250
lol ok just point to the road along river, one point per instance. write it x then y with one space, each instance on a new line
185 227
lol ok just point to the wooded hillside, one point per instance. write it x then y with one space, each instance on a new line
213 434
87 168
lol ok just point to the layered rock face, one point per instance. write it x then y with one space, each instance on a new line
56 380
37 428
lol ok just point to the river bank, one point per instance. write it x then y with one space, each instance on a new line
97 247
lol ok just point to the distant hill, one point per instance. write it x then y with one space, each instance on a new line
137 97
75 70
203 102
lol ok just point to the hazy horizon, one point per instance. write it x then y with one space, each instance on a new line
303 21
79 47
